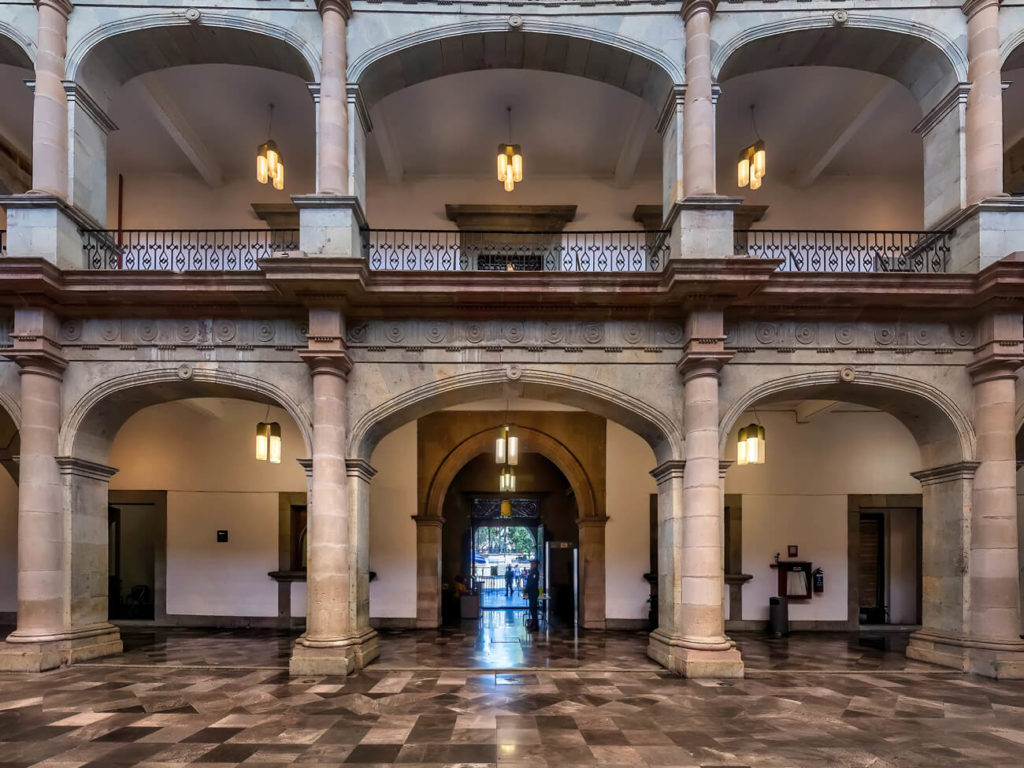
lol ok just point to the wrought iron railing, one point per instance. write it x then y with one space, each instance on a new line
465 250
181 250
847 250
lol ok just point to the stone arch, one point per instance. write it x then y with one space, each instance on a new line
113 53
94 420
660 432
1012 50
531 441
10 424
941 428
16 48
546 44
922 59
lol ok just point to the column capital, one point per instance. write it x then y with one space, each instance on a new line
307 466
692 7
592 522
961 470
327 361
360 468
695 364
995 366
427 521
71 465
971 7
63 7
672 469
344 7
78 95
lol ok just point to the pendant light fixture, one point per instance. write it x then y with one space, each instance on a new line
507 480
510 160
751 166
268 440
750 445
506 447
269 162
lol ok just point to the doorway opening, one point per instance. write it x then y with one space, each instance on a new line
137 555
887 566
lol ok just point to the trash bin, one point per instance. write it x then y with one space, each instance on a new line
778 616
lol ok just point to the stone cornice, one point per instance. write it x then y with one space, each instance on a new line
42 200
307 466
70 465
723 466
961 470
355 100
360 468
673 102
955 98
428 521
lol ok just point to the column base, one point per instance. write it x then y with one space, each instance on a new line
38 653
702 227
334 657
998 659
691 658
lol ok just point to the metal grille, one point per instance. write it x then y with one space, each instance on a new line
463 251
847 250
182 250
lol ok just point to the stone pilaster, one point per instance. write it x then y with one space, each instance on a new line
57 548
693 641
50 107
338 638
332 121
592 567
984 101
428 571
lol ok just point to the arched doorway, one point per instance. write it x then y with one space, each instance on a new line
945 468
16 67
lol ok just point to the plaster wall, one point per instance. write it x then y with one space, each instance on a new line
627 535
201 452
799 496
392 531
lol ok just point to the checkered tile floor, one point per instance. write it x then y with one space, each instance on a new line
224 698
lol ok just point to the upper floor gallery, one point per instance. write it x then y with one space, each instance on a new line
862 136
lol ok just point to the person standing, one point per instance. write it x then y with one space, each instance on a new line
533 593
509 577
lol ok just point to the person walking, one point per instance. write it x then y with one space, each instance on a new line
533 594
509 578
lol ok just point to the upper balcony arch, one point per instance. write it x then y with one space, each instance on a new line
922 59
16 48
113 53
544 44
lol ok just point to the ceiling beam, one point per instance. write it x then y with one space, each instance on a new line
389 153
169 115
847 123
808 409
633 146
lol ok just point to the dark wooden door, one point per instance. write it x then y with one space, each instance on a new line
871 575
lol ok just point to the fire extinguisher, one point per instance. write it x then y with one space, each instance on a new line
819 581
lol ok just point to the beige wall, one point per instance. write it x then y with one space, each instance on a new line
627 536
799 496
392 531
201 452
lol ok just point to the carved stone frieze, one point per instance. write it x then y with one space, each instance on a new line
534 336
829 336
204 333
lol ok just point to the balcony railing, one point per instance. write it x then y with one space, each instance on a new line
847 251
478 250
182 250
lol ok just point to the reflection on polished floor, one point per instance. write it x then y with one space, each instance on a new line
164 715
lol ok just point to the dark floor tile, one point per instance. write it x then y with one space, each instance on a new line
128 733
374 753
212 735
229 753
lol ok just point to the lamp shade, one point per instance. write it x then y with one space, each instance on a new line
750 445
268 442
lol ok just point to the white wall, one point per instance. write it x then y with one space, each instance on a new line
201 451
8 543
799 496
392 531
628 488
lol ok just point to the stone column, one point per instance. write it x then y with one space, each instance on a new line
984 102
53 628
50 108
334 641
699 646
592 571
332 128
699 109
428 571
